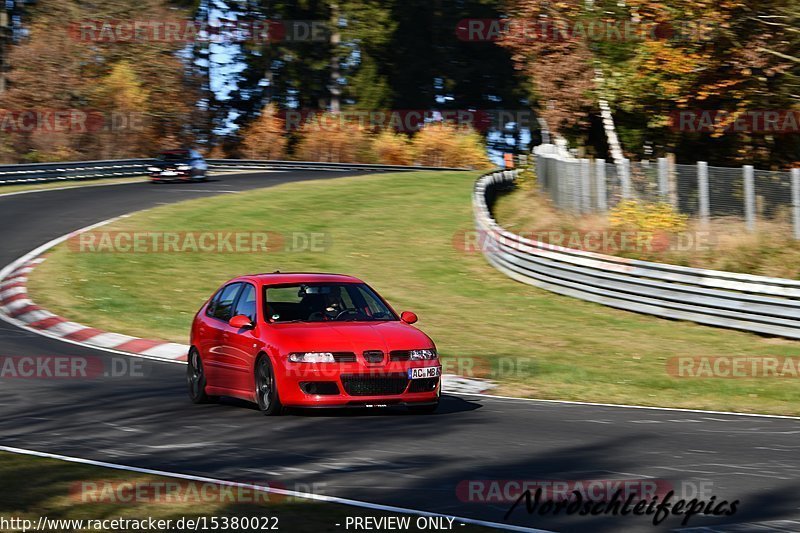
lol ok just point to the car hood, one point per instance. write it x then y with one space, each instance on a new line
347 337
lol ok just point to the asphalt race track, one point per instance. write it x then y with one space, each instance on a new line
385 457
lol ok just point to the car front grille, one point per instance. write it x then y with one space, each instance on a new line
373 356
374 384
344 357
423 385
399 355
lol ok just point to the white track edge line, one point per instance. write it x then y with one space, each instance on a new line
58 240
48 189
270 490
625 406
39 251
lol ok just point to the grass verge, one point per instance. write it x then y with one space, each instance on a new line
34 487
397 232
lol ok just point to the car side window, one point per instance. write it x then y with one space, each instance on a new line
213 303
247 303
223 306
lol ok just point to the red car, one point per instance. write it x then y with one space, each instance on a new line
310 340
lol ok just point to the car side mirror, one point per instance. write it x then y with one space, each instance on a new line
241 322
408 317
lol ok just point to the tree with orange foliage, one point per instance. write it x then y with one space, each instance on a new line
332 138
443 144
265 137
140 88
732 55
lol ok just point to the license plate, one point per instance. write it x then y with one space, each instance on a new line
169 173
425 372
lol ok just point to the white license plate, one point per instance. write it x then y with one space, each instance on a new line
169 173
425 372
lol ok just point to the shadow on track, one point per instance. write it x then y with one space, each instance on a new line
449 405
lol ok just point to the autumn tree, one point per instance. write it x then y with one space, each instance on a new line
443 144
331 138
733 56
265 137
136 93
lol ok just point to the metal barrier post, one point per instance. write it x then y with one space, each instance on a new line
702 185
663 181
796 202
749 198
541 172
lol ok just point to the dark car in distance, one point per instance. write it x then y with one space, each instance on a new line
178 165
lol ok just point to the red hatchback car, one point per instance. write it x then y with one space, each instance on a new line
310 340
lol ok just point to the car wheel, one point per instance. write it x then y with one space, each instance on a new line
196 379
424 409
266 388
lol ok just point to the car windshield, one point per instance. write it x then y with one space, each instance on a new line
320 302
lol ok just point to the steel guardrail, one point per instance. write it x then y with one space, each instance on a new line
84 170
71 171
746 302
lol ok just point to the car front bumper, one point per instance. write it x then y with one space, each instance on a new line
354 385
171 175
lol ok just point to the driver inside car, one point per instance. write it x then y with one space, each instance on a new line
325 306
333 304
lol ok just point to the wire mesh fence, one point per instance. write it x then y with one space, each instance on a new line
700 191
687 194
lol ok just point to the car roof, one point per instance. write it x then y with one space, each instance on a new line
282 278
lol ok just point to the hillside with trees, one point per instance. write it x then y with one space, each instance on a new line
227 85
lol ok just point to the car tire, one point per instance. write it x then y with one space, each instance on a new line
424 409
266 387
196 379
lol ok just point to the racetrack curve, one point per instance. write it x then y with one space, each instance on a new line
385 457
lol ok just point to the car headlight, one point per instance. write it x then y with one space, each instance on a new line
312 357
153 169
421 355
184 167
